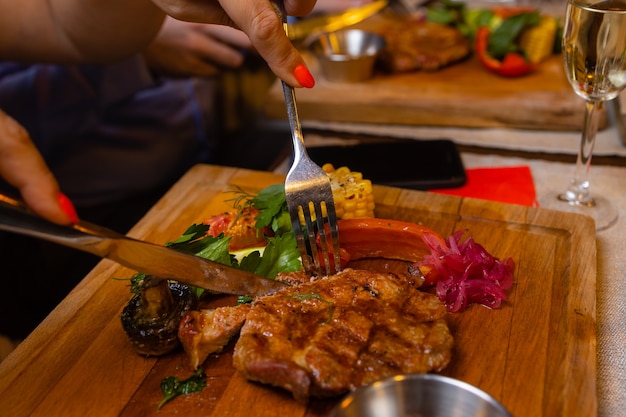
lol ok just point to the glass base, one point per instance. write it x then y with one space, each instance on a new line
602 210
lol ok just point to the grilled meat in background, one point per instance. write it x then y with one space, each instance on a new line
413 45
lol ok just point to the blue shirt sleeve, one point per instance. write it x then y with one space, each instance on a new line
52 100
112 131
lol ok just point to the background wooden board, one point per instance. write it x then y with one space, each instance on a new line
536 355
463 94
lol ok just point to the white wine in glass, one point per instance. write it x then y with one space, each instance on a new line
594 48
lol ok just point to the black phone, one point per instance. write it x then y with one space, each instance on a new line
415 164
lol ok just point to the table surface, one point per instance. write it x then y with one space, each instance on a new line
609 181
79 357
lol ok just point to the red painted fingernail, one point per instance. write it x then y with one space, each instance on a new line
303 76
68 208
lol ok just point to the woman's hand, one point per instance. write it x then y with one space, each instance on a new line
258 19
196 49
22 166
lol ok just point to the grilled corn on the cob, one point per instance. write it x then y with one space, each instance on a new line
537 42
353 195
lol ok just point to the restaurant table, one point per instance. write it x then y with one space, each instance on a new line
79 361
609 181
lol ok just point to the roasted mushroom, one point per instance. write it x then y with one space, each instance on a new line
151 318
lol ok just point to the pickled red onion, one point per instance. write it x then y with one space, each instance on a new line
466 273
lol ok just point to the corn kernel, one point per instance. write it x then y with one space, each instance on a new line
537 42
353 195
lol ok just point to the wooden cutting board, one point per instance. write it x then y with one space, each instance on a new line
463 94
536 355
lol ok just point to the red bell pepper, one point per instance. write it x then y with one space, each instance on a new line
513 64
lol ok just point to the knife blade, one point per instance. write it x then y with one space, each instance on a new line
135 254
333 22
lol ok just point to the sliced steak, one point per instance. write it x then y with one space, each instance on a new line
208 331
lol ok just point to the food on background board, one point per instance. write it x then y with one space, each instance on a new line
508 41
412 46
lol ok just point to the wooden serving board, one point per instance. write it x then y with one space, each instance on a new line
464 94
536 354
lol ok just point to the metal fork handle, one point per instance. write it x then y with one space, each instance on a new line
297 137
290 95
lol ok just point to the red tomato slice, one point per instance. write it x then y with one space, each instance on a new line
240 227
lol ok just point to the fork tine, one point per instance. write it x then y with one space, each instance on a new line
321 226
333 265
334 237
316 255
307 259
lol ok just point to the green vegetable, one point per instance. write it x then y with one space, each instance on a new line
273 206
476 18
503 39
456 14
195 241
505 31
316 296
280 255
172 387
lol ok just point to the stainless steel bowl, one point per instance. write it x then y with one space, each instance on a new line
347 55
419 395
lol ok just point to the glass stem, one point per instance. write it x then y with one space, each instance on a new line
578 190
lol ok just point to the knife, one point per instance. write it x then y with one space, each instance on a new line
333 22
136 254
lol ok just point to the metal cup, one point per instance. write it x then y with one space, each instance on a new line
419 395
347 55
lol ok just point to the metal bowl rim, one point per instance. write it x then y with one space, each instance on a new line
393 380
311 42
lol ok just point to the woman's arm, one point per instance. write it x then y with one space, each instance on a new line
82 31
90 31
76 31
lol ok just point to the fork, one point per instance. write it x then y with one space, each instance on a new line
309 195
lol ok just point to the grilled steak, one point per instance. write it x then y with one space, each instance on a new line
208 331
324 338
412 45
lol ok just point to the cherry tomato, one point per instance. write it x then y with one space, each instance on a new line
241 227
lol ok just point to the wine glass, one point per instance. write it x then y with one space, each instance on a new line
594 48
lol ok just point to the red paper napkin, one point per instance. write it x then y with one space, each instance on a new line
513 185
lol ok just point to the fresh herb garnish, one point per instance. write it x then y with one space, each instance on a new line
316 296
172 387
135 283
279 255
272 205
